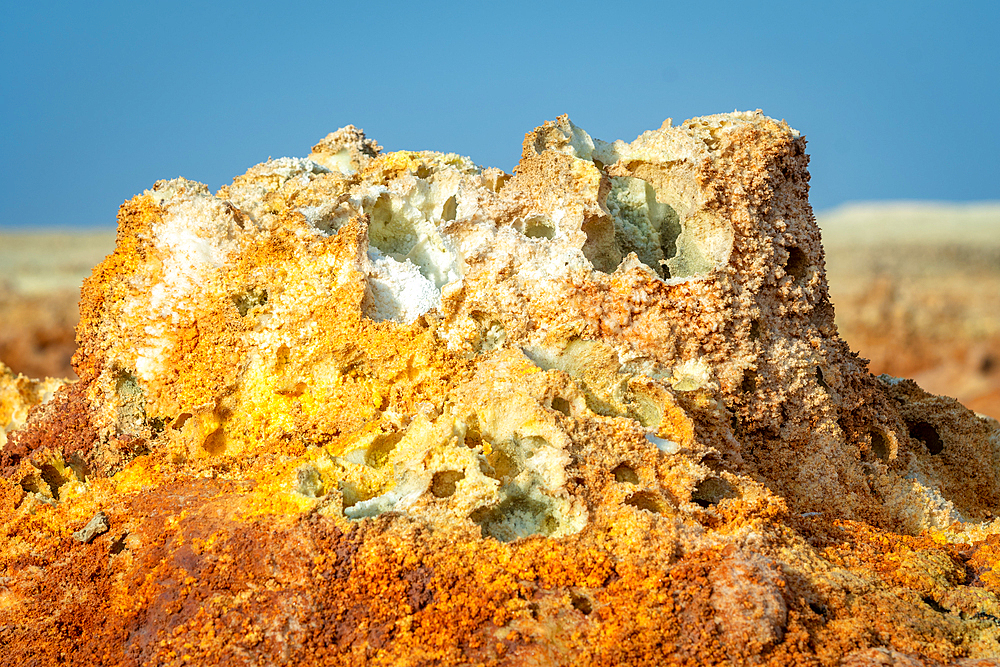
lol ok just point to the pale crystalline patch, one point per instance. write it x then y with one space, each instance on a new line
567 137
399 499
196 235
341 161
406 226
18 394
248 192
150 357
397 290
538 263
691 375
319 217
412 260
287 167
664 445
928 508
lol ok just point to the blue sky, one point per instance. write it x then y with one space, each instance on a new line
98 100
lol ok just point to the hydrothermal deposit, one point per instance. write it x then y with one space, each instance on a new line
394 408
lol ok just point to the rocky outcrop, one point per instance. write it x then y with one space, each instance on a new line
393 408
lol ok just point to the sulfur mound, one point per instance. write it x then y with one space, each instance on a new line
393 408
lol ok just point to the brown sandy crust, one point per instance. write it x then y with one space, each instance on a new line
395 409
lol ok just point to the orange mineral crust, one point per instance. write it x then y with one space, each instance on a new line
372 408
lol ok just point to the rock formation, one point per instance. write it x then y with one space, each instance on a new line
393 408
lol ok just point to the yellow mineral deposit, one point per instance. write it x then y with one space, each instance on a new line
394 408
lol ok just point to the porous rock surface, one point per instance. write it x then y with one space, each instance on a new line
393 408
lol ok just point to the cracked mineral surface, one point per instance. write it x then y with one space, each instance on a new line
395 408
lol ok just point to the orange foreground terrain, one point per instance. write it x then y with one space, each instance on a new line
370 408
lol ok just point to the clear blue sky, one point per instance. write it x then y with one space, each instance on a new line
98 100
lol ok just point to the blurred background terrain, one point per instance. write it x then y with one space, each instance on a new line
40 277
916 287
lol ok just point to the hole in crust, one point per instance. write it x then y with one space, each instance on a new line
645 500
118 545
215 442
581 603
445 482
933 604
749 384
539 228
282 358
560 404
249 299
880 448
504 465
180 421
352 495
78 466
449 210
600 248
378 452
818 609
473 437
928 435
624 473
52 477
797 263
30 484
643 224
711 490
495 179
754 329
515 518
819 378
